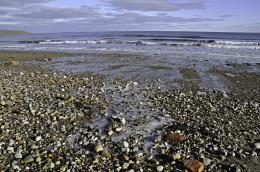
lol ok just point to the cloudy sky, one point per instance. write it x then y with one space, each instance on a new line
130 15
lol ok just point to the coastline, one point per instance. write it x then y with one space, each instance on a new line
79 121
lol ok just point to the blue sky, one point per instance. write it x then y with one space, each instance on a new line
124 15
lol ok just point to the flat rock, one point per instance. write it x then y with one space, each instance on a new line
194 166
174 137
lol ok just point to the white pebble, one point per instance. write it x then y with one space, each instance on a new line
123 121
159 168
135 84
18 155
38 138
257 145
126 145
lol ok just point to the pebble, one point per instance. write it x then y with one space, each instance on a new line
11 149
126 165
99 148
118 129
38 138
110 132
174 137
207 161
257 145
194 166
177 156
2 102
123 120
18 155
132 170
160 168
28 159
63 168
126 144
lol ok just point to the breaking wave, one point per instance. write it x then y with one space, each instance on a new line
173 42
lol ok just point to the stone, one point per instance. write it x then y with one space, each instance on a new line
110 132
33 146
132 170
105 154
28 159
70 99
99 148
176 156
11 149
257 145
2 102
126 144
207 161
126 165
13 63
63 168
118 129
18 155
194 166
174 137
159 168
38 138
123 121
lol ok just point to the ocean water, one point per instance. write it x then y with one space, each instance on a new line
132 41
147 55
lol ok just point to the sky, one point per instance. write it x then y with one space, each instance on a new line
41 16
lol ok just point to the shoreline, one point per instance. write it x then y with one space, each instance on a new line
78 121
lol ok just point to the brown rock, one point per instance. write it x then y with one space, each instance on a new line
13 63
194 166
174 137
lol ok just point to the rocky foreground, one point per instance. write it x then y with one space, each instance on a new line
50 122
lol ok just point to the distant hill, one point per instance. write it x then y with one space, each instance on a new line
13 32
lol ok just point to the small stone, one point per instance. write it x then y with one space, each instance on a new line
105 154
206 161
38 159
58 143
28 159
126 158
123 121
70 99
126 165
11 149
257 145
110 132
132 170
34 146
99 148
177 156
222 158
63 168
18 155
118 129
2 102
126 144
38 138
194 166
174 137
159 168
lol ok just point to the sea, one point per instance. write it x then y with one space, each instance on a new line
145 55
132 41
